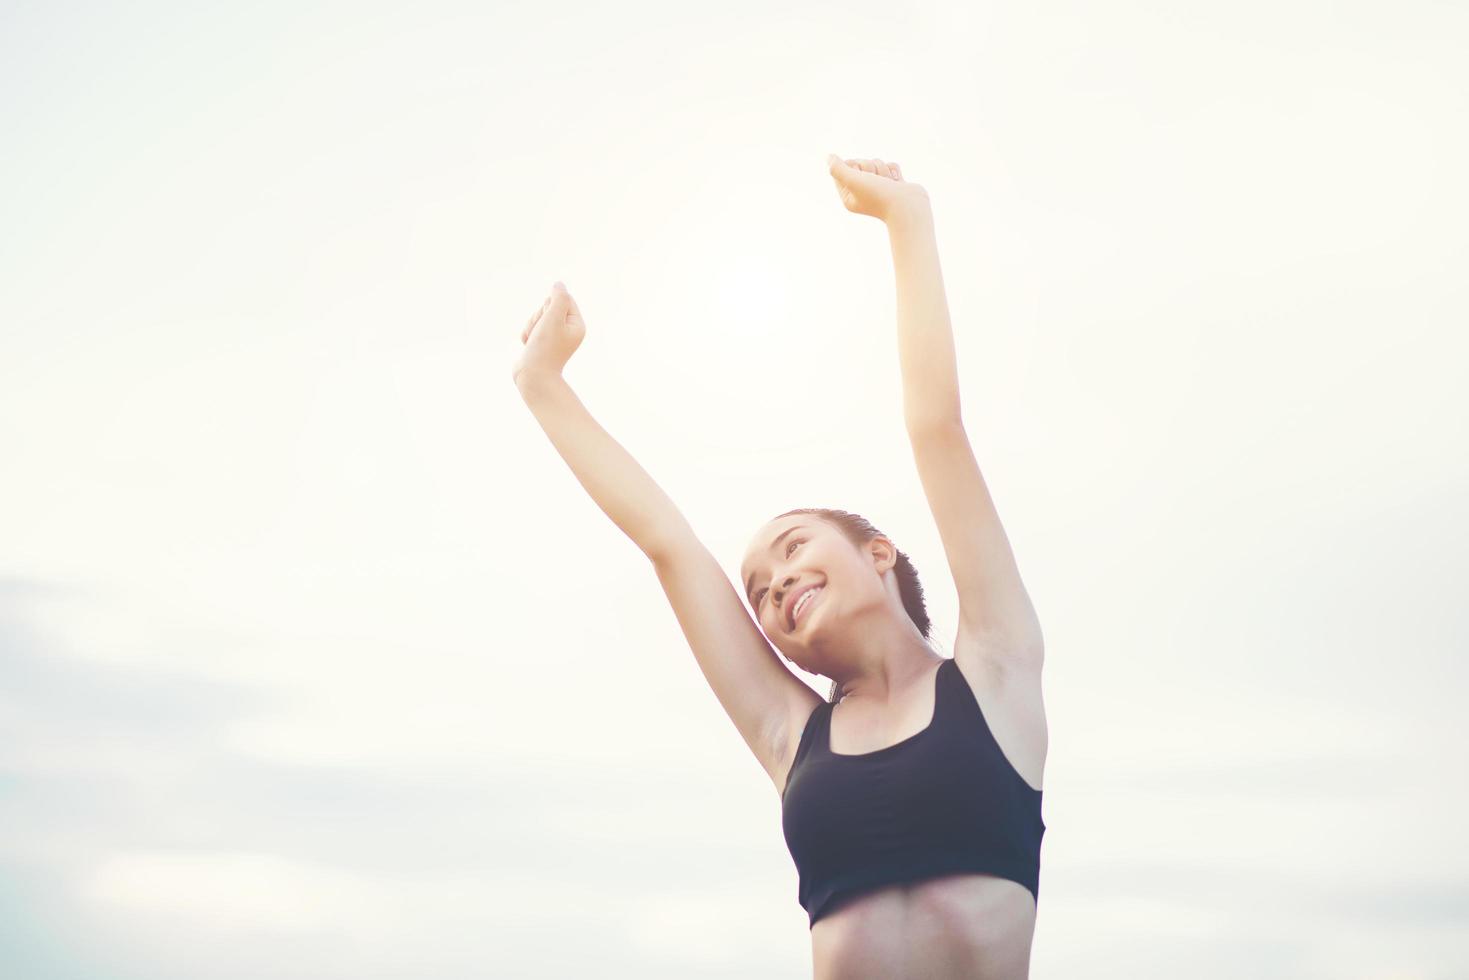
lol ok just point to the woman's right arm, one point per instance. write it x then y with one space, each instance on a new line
768 704
622 488
608 472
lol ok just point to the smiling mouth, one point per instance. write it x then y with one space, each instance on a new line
798 612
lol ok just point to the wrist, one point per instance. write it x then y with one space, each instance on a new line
912 208
530 382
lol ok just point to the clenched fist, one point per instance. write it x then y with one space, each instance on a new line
873 187
550 337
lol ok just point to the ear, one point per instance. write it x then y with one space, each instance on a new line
884 554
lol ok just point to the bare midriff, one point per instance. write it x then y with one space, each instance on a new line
970 926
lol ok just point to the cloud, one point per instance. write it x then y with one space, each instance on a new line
237 891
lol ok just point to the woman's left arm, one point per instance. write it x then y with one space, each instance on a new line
925 337
994 608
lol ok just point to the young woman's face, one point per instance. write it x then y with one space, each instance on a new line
786 557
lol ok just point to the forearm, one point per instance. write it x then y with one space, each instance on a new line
622 488
925 337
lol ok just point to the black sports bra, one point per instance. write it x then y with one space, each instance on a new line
940 802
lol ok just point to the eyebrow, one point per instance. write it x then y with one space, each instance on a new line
750 582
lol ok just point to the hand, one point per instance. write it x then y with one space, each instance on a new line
550 336
873 187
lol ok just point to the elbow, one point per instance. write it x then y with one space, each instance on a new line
933 423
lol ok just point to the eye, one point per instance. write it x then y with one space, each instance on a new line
760 595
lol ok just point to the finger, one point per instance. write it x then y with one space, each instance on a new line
897 172
555 307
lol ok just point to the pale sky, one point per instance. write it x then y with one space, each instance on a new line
317 662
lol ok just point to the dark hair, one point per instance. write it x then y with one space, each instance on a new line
859 531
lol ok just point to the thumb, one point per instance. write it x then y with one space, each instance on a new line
560 299
844 173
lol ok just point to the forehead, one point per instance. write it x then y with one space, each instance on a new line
760 544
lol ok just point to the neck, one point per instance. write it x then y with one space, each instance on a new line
884 657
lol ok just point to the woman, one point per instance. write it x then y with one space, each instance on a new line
911 797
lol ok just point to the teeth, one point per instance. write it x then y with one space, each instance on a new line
810 594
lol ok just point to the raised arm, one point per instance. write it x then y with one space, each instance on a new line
767 703
621 487
995 611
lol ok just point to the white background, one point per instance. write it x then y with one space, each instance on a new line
316 660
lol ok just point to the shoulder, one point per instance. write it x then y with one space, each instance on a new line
1008 693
